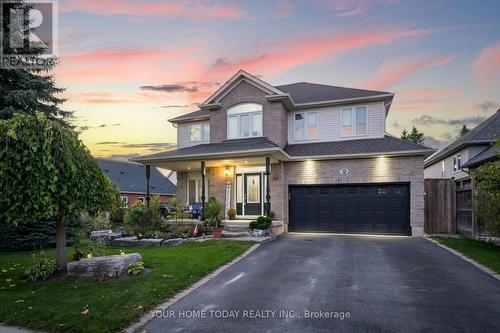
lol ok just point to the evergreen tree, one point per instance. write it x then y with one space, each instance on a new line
31 89
464 130
414 136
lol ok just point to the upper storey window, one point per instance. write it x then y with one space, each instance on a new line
200 132
354 121
244 121
306 125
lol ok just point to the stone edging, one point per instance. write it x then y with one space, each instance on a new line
470 260
147 317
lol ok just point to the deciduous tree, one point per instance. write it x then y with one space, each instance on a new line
47 173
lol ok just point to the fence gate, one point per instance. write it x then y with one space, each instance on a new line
439 206
464 208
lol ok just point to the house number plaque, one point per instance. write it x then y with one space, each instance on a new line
344 172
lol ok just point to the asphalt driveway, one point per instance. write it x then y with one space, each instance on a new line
375 284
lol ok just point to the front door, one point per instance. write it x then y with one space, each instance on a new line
252 193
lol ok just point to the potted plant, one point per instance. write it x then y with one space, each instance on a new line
260 225
231 213
213 212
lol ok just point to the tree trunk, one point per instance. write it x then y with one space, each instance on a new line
60 244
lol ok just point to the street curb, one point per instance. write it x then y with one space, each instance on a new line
177 297
471 261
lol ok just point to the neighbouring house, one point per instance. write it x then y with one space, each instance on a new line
449 179
316 156
468 151
130 179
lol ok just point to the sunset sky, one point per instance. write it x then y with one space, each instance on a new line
129 65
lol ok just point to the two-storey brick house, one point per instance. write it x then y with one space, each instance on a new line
315 155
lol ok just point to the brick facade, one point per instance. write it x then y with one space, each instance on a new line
274 114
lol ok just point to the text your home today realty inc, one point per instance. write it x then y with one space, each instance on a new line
250 314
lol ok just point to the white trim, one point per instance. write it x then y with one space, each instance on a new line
125 200
202 132
195 156
197 178
238 115
342 101
305 118
250 170
353 121
221 92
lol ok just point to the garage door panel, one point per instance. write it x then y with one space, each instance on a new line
370 208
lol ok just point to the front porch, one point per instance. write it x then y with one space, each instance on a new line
244 175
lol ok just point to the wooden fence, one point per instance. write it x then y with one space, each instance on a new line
439 206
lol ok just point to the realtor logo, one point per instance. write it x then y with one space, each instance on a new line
29 33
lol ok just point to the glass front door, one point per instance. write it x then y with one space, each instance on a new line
249 194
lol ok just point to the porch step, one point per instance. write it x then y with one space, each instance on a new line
234 234
236 227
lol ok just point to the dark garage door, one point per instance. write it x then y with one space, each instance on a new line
367 208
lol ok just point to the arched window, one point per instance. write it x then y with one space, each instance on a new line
244 121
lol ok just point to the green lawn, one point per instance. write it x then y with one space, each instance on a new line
57 305
484 253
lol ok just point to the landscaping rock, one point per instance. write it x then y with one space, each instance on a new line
172 242
108 265
125 242
147 242
104 236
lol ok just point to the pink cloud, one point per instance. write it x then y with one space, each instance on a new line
430 92
353 7
119 65
283 8
487 65
392 73
283 55
203 10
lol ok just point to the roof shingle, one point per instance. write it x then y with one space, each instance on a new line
232 146
387 144
304 92
485 132
130 177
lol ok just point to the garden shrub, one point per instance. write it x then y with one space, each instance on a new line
262 223
35 235
40 268
488 200
174 204
92 249
94 223
142 221
117 215
136 268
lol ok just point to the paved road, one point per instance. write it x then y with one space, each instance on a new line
386 285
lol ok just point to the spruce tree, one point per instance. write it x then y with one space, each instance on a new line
31 89
414 136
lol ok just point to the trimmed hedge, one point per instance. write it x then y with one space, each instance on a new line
34 235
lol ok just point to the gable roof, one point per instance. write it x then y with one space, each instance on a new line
233 81
130 177
486 132
305 92
489 154
294 95
386 145
226 147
